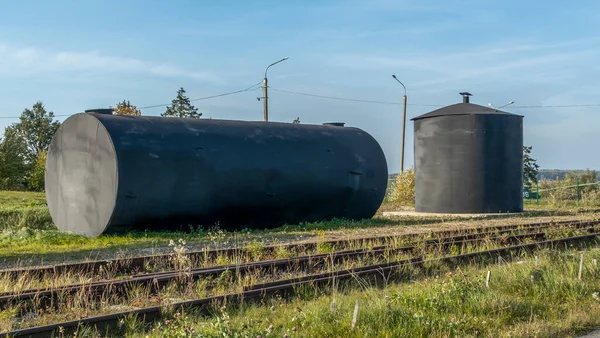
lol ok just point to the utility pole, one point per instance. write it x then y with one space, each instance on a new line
265 86
265 99
404 98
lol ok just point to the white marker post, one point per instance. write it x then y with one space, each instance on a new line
580 267
354 317
487 280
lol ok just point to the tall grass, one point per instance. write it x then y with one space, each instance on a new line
565 193
524 299
24 210
231 281
28 235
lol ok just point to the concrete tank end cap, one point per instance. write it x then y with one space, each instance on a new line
81 176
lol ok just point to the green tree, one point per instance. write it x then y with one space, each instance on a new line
126 108
530 168
12 161
36 129
36 175
181 107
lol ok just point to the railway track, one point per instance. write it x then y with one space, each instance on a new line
157 281
137 264
160 278
108 323
36 298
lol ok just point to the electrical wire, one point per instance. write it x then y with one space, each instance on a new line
334 98
353 100
166 104
423 105
206 97
561 106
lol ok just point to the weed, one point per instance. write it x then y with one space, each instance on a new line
224 280
323 247
282 252
178 326
255 249
179 257
215 233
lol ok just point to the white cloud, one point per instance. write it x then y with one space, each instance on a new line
28 61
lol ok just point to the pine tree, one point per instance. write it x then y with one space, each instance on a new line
181 107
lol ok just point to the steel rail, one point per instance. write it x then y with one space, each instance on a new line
136 263
107 322
95 290
24 293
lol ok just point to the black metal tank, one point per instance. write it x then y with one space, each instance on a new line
107 173
468 159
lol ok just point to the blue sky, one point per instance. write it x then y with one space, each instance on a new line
76 55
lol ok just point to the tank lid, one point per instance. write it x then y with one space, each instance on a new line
335 124
465 96
105 111
464 109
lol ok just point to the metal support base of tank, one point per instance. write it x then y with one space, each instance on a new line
407 213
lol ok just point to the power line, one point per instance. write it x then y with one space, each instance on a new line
561 106
354 100
334 98
426 105
166 104
206 97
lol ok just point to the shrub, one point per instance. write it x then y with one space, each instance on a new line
402 190
36 175
559 191
590 199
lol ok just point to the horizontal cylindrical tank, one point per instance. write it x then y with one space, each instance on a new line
110 173
468 159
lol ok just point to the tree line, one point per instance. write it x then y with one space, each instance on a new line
24 145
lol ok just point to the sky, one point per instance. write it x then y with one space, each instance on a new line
78 55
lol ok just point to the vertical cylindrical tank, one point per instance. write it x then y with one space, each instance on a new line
109 173
468 159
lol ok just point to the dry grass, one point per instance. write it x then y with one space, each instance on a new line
28 241
439 302
230 281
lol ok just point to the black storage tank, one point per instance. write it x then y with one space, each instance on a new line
468 159
109 173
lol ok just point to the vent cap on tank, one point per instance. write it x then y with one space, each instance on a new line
465 96
104 111
334 124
